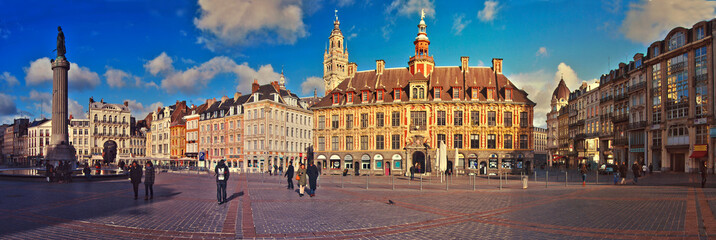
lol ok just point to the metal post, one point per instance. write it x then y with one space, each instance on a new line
546 178
447 184
473 182
341 182
421 182
500 180
565 178
535 175
366 181
392 180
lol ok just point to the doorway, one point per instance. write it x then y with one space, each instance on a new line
678 162
419 162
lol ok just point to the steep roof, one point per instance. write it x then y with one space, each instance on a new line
561 92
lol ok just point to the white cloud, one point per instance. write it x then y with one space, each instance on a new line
459 23
542 51
612 6
80 78
160 64
75 109
139 83
7 105
41 101
490 11
230 22
9 78
540 85
187 61
115 77
480 63
648 21
138 110
192 80
408 7
343 3
312 83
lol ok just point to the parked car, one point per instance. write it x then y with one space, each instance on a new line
607 169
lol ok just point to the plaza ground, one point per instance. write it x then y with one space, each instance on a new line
668 206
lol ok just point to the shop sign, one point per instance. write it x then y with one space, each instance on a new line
713 132
702 148
700 121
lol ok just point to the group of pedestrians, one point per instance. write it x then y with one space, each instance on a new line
61 174
621 170
135 176
303 176
277 170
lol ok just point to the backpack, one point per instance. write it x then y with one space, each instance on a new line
221 174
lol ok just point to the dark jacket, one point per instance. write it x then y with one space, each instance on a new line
289 172
636 170
135 173
86 170
149 177
225 168
312 172
623 170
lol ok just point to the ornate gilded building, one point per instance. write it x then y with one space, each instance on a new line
554 143
389 119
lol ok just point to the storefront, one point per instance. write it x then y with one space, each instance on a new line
348 162
335 162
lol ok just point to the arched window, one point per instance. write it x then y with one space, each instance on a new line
95 117
124 119
676 41
115 118
104 118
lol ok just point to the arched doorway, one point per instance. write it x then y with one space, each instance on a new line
419 162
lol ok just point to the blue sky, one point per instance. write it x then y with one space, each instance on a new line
153 53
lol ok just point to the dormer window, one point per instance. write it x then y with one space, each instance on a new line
676 41
380 95
490 94
396 93
475 91
699 33
508 94
437 93
336 98
349 97
365 96
456 93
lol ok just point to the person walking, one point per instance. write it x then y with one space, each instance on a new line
88 172
643 169
135 174
301 179
637 171
221 171
312 173
149 181
289 175
583 171
412 172
280 170
623 172
616 171
703 169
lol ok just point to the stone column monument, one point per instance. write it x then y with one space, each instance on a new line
59 148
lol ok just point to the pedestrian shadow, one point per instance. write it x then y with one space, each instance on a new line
235 195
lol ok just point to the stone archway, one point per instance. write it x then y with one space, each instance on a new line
419 161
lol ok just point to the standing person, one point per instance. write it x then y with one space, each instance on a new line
289 175
275 169
616 171
412 172
301 179
312 173
135 174
48 172
703 169
221 171
356 168
637 172
149 181
280 170
88 172
583 171
643 169
121 164
623 172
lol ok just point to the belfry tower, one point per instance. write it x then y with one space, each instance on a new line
335 58
421 61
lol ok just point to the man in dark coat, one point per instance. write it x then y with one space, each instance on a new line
637 171
149 181
221 171
289 175
623 171
135 174
312 173
703 169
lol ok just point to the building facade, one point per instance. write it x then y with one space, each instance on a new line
38 137
385 120
177 139
80 138
109 122
540 143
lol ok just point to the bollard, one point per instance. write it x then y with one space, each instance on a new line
565 178
546 179
366 181
473 182
392 179
488 179
535 175
341 182
447 184
421 182
500 180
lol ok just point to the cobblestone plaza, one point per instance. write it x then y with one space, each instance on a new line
661 206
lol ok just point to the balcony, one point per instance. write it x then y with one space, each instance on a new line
677 140
620 118
605 99
620 97
621 141
637 125
580 123
418 127
677 67
637 87
606 134
581 136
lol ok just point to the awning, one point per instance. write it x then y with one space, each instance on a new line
556 157
698 154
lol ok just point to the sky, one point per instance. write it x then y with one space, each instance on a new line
154 53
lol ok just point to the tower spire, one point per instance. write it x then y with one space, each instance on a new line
282 80
421 61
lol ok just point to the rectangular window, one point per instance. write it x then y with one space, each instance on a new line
395 119
321 144
491 118
508 94
475 93
395 142
678 88
336 98
363 142
349 121
508 119
349 97
491 141
507 141
321 122
379 119
365 96
437 93
379 142
475 141
417 119
380 95
334 143
475 118
441 138
441 118
364 120
524 122
490 94
349 143
397 94
457 118
458 141
523 142
456 93
701 82
656 138
334 121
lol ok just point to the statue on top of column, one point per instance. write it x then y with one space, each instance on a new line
60 43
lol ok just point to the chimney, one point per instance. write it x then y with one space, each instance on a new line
497 65
255 86
379 66
236 96
126 103
352 68
464 63
71 117
276 86
224 98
